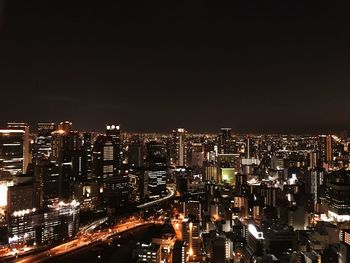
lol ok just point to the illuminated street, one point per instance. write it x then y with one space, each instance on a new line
85 240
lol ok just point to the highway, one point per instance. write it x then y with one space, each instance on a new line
84 240
171 193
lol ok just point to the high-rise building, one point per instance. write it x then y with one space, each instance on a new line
14 153
156 178
344 251
26 141
67 153
225 143
46 174
148 253
114 132
326 148
191 235
179 252
107 154
87 156
179 147
43 145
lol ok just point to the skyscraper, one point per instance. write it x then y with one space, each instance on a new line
179 147
13 153
43 145
26 146
225 141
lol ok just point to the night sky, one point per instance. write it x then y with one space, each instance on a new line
276 66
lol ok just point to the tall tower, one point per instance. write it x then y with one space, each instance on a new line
179 136
43 146
326 148
26 148
225 141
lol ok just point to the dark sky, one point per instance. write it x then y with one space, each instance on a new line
276 66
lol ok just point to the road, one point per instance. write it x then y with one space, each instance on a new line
84 240
171 193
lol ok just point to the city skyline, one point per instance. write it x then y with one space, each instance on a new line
256 68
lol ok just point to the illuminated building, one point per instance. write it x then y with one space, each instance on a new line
13 153
156 178
116 191
277 162
87 156
3 198
338 198
221 250
241 184
179 252
255 240
326 148
88 194
149 253
107 153
228 176
280 239
135 152
22 197
227 161
181 178
316 180
43 146
67 153
193 208
179 147
210 172
196 154
191 235
344 251
156 154
114 132
46 226
46 174
226 145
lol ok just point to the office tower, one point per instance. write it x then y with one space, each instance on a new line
227 165
46 174
114 132
191 235
148 253
135 152
313 159
344 251
22 197
225 142
156 178
196 153
43 145
255 239
42 227
316 180
87 156
13 152
26 141
193 209
179 147
156 154
116 191
210 172
107 153
67 153
337 196
326 148
221 249
179 252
